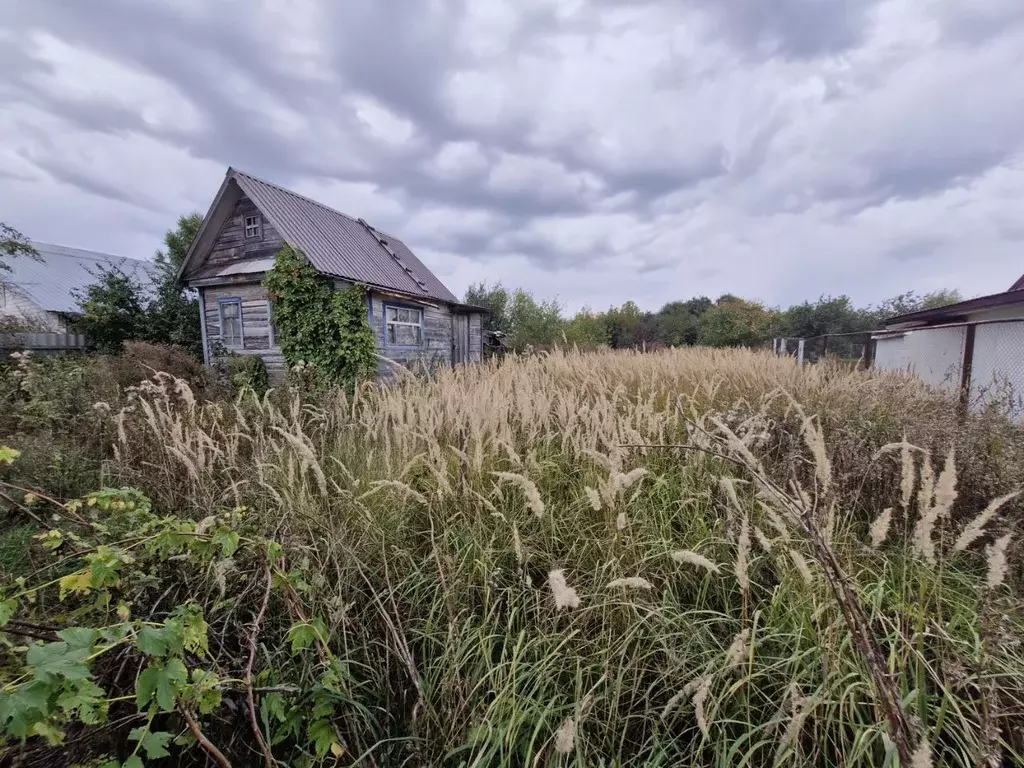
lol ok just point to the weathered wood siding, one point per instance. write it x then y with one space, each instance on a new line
232 249
476 339
256 336
436 349
18 309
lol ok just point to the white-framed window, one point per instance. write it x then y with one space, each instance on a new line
404 326
231 322
253 227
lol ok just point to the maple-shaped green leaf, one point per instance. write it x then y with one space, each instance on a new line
171 682
227 540
153 743
204 691
321 733
193 628
52 661
79 582
301 636
85 697
7 610
161 641
273 705
146 687
48 731
25 706
79 637
152 641
50 539
133 762
105 564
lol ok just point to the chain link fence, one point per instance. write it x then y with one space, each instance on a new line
981 363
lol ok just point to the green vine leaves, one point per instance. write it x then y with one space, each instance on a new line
318 326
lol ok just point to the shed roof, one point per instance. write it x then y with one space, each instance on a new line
51 282
335 243
952 311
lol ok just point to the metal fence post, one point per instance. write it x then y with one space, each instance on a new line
966 368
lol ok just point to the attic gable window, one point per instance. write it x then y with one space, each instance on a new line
254 227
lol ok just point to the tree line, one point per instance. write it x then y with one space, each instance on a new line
728 321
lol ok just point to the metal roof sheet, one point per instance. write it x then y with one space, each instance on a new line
50 283
341 246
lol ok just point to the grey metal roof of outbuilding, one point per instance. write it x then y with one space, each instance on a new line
50 283
338 245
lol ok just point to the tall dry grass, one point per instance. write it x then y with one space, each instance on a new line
693 557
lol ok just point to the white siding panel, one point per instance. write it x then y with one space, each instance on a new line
935 356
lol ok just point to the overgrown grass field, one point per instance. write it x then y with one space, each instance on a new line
690 557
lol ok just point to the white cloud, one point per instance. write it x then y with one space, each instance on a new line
85 77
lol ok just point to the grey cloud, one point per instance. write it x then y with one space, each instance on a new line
799 28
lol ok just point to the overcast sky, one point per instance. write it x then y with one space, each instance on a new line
598 151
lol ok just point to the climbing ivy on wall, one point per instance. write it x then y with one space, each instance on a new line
318 326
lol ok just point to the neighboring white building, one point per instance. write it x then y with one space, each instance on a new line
40 294
983 335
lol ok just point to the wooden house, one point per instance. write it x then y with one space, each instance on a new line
416 319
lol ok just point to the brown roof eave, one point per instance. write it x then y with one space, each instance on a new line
939 314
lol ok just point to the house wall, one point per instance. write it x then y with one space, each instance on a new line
256 335
936 356
16 307
231 249
476 338
436 349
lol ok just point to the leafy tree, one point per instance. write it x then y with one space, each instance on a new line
625 325
677 322
908 302
586 330
12 245
533 324
112 310
173 311
494 298
120 307
735 322
827 315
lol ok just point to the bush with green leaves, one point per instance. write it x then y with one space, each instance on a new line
116 639
247 372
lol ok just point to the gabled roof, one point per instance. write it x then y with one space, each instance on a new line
50 283
335 243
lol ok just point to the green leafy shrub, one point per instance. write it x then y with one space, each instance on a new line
248 372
